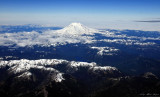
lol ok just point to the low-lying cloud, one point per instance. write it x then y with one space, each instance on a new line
150 21
49 37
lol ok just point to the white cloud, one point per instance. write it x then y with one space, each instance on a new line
49 37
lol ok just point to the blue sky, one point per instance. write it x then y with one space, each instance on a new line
125 14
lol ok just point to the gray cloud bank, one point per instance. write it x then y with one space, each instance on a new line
150 21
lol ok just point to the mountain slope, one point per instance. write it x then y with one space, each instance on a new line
51 77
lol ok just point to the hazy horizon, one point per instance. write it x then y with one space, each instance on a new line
111 14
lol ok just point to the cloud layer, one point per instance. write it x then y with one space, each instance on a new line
61 37
150 21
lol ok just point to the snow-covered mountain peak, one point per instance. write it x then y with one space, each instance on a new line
77 29
76 24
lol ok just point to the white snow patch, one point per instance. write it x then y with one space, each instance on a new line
59 77
105 50
25 74
103 68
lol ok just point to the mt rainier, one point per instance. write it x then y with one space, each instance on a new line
77 29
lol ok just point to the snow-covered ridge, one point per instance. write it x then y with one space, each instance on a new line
23 66
82 64
18 66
